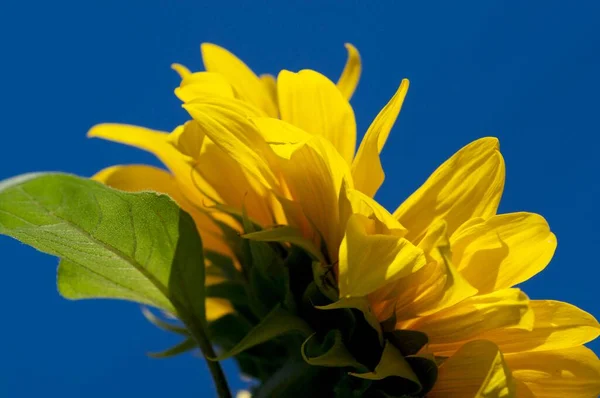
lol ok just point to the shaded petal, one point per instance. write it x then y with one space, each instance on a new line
316 188
181 70
246 84
226 122
367 171
370 208
270 83
476 370
312 102
351 74
469 319
368 260
571 372
431 289
503 251
467 185
202 83
556 325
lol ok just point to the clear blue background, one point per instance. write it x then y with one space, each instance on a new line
527 73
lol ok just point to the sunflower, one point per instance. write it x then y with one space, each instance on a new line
441 269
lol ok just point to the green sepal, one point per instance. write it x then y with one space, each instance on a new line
426 370
276 323
222 263
234 292
409 342
286 234
186 345
395 370
331 352
161 324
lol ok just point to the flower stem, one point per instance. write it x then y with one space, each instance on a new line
199 334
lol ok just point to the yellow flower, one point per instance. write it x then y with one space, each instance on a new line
444 263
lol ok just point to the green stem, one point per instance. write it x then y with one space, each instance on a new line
198 333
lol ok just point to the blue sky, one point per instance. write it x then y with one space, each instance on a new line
520 71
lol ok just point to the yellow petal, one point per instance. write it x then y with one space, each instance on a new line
216 308
188 139
368 260
284 138
181 70
316 188
556 325
477 370
467 185
246 84
226 122
503 251
202 83
270 84
351 73
370 208
472 317
312 102
571 372
199 181
436 286
366 169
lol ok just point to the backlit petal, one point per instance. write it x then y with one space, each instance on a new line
503 251
226 122
572 372
351 74
431 289
246 84
203 83
477 370
366 168
472 317
556 325
312 102
316 187
467 185
359 273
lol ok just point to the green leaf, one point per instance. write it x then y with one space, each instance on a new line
287 234
159 323
276 323
185 346
409 342
330 352
132 246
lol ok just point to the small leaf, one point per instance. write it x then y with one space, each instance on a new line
233 292
223 263
159 323
185 346
276 323
331 352
409 342
286 234
425 369
393 364
361 304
